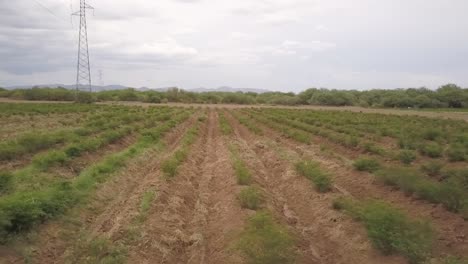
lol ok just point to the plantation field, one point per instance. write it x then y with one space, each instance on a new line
140 183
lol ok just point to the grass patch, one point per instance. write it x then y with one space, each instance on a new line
366 164
145 204
390 230
96 250
250 198
6 182
243 175
431 149
171 165
266 242
226 128
313 172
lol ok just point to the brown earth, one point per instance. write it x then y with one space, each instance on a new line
451 228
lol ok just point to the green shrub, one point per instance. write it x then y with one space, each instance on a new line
366 164
406 179
432 168
407 156
372 148
312 171
46 160
432 134
73 151
250 198
452 195
242 173
390 230
266 242
432 150
169 167
408 142
6 182
456 153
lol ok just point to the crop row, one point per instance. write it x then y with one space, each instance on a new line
20 210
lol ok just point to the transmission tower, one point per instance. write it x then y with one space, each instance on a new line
83 71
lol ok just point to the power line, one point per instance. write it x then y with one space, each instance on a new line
48 10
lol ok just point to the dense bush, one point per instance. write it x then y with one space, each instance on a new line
6 181
448 95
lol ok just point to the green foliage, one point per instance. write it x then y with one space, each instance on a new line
407 156
29 143
431 134
226 128
432 168
242 172
145 204
431 149
313 172
51 158
266 242
449 95
366 164
6 181
97 250
250 197
456 152
390 230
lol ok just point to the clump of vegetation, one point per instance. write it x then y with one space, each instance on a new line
145 204
51 158
266 242
171 165
432 168
6 182
431 134
226 128
250 198
456 152
242 172
374 149
407 156
390 230
366 164
431 149
312 171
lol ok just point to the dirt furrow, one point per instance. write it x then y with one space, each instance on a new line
114 204
325 236
450 228
196 216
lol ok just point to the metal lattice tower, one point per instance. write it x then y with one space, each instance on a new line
83 71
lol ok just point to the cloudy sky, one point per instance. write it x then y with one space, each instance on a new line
286 45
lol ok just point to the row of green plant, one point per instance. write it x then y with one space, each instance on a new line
170 166
226 128
390 230
22 210
312 171
33 142
8 109
247 122
34 175
451 190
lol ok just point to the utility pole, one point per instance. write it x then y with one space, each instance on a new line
83 71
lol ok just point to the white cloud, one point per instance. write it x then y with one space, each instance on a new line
276 44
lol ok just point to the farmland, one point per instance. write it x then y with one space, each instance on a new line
100 183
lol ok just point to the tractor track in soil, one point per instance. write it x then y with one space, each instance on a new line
451 228
324 235
195 217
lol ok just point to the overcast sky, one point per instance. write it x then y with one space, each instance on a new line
286 45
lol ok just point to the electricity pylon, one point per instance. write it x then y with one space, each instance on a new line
83 71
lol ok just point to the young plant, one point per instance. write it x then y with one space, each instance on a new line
407 156
266 242
366 164
250 198
390 230
313 172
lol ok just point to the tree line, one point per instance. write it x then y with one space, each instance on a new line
446 96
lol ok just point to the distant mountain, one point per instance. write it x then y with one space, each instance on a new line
228 89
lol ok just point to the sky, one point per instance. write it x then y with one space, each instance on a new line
281 45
